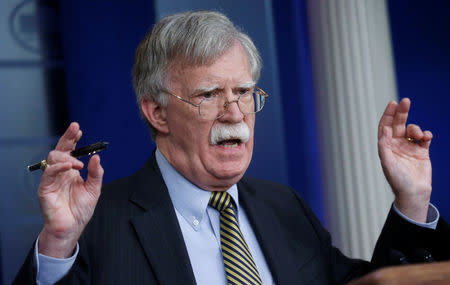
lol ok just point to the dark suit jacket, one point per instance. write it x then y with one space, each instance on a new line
134 237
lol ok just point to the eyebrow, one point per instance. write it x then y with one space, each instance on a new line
202 89
249 84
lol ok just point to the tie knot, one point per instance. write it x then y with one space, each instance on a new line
220 201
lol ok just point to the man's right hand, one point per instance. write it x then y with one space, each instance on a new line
67 202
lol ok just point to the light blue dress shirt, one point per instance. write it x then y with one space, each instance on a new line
200 226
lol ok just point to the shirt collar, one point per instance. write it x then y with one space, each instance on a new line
188 199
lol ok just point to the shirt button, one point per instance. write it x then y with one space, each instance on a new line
195 222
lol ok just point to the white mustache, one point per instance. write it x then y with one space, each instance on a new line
221 132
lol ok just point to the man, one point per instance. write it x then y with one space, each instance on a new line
194 76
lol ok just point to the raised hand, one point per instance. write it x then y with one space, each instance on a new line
67 202
404 155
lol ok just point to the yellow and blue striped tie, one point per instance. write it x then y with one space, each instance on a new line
238 261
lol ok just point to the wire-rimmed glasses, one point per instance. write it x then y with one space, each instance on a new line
213 105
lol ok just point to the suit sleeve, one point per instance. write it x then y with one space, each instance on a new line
78 273
397 234
27 273
406 237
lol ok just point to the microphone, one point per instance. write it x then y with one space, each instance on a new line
397 258
422 255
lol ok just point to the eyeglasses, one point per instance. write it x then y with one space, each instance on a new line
213 105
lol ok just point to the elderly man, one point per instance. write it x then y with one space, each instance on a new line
189 215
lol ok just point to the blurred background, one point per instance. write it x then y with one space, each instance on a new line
330 67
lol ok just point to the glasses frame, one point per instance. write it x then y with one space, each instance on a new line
226 105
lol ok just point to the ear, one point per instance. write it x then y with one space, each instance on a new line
155 114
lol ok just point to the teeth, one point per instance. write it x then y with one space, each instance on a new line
230 145
222 131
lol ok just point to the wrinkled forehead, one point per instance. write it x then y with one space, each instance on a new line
208 82
229 69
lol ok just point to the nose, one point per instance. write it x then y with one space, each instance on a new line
232 113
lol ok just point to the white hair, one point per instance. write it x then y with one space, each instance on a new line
195 37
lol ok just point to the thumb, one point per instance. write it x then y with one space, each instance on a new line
95 175
383 142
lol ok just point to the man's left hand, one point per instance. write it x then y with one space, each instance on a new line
405 159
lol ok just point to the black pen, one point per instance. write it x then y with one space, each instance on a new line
79 152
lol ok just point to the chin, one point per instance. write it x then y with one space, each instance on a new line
223 183
227 165
229 171
222 175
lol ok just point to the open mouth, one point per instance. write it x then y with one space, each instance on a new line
229 135
230 143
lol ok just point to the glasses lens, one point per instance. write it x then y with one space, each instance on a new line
252 102
249 103
259 100
212 108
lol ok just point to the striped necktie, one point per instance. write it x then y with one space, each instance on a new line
238 261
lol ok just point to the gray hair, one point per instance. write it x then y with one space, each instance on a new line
195 37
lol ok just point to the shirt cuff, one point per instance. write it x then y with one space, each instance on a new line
432 217
49 269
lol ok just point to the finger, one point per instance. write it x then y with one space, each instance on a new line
387 118
70 138
426 140
58 157
95 175
55 169
52 172
400 117
78 136
414 131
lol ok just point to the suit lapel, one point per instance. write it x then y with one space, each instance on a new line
161 238
158 230
285 257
